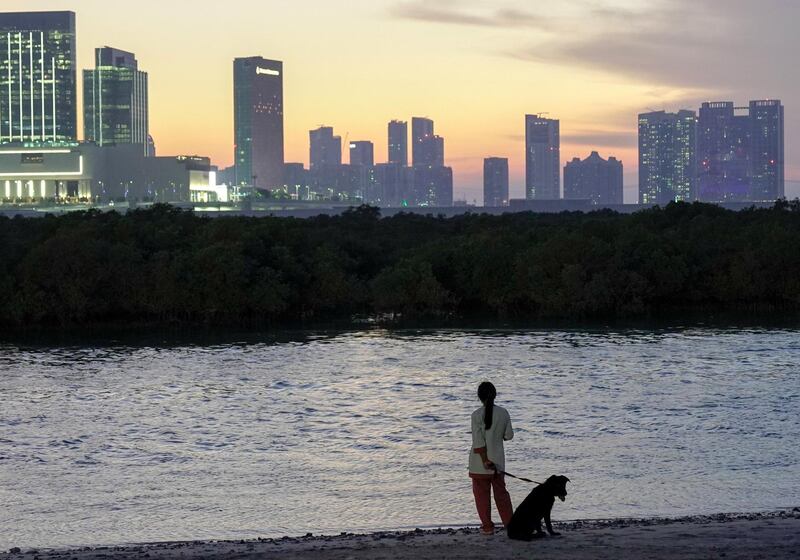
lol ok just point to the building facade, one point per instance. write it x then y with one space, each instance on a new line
325 148
428 148
398 143
740 152
362 153
115 100
667 157
767 163
433 186
594 179
723 153
38 78
91 173
542 158
258 122
495 182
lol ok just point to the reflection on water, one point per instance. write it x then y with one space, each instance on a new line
368 430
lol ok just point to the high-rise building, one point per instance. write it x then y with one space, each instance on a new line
398 143
740 152
258 122
325 148
767 180
542 158
723 153
433 186
362 153
594 179
115 109
395 185
428 148
38 99
495 182
667 157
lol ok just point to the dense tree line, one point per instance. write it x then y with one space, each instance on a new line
163 265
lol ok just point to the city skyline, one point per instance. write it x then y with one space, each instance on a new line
479 113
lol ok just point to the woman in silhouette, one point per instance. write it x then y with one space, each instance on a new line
491 426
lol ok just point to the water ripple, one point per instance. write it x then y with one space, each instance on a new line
356 431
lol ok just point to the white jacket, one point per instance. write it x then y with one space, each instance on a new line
492 439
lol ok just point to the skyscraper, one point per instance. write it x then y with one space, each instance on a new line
325 148
433 186
542 158
667 157
362 153
428 148
594 179
740 152
115 105
495 182
767 180
723 153
258 122
398 143
37 59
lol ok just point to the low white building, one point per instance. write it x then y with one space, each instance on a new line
89 173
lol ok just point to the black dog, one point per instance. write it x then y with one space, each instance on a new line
526 524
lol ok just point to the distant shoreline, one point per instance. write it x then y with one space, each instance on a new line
739 535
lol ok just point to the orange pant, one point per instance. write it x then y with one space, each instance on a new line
482 487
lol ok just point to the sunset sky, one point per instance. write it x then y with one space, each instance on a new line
474 66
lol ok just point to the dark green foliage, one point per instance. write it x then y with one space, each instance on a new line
168 266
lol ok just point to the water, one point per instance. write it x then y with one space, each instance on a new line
367 431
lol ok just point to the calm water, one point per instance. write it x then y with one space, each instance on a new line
103 445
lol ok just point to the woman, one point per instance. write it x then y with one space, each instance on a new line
491 426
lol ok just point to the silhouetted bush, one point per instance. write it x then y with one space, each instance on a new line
164 265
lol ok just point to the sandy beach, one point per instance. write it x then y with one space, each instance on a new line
731 536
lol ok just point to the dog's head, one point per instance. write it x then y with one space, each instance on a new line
557 486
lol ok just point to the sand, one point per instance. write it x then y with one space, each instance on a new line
773 536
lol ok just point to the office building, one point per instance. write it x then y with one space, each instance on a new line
398 143
723 153
38 98
325 148
362 153
258 122
594 179
740 152
667 157
542 158
767 164
115 104
495 182
428 148
433 186
394 185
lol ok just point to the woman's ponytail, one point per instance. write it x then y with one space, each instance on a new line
487 393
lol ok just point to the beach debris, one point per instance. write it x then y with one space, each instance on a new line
14 550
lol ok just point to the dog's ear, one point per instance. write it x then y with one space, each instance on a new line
566 479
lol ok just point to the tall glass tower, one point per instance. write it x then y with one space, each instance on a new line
542 158
495 182
258 122
398 143
667 157
767 179
115 106
38 97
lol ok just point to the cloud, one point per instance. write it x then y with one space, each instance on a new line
735 45
450 12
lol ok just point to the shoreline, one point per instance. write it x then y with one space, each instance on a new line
734 535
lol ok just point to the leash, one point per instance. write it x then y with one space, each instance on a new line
496 472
